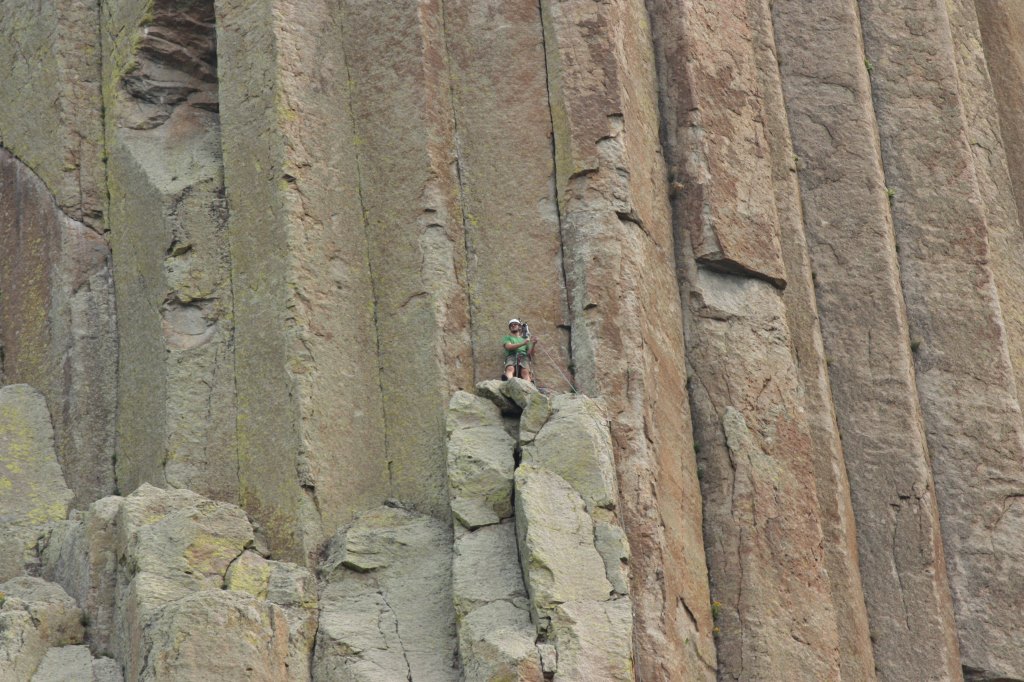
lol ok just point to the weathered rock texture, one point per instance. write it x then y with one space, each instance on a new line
175 422
777 244
32 490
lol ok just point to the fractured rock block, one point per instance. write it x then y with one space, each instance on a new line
496 642
32 488
593 641
216 635
81 556
575 444
34 616
386 608
480 462
485 569
291 587
556 544
76 664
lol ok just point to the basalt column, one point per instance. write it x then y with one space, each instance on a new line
863 322
965 377
767 567
167 220
400 100
504 138
626 320
56 289
310 420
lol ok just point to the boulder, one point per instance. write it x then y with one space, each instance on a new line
32 488
216 635
556 544
34 616
386 608
575 444
480 462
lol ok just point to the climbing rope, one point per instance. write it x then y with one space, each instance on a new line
551 360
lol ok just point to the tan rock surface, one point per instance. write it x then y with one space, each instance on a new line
952 300
626 337
400 98
505 159
832 486
863 322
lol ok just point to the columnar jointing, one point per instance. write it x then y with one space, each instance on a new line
56 288
308 382
967 389
167 219
860 302
767 568
503 134
627 342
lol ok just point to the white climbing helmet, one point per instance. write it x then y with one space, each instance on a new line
513 321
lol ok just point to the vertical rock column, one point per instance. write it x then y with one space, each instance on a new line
1001 23
310 421
504 138
981 117
627 331
767 566
863 323
57 310
856 661
967 389
400 101
167 220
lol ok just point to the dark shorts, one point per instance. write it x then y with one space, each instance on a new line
524 361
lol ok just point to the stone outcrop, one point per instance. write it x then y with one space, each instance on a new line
34 616
32 489
262 252
386 606
175 421
170 588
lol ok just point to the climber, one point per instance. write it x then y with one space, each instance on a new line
518 351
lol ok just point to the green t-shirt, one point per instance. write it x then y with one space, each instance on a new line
522 350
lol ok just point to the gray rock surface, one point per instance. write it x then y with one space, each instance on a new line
386 602
175 419
480 461
304 302
215 634
75 663
556 544
34 616
32 488
497 642
590 640
574 443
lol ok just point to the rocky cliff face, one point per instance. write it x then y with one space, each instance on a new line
256 257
